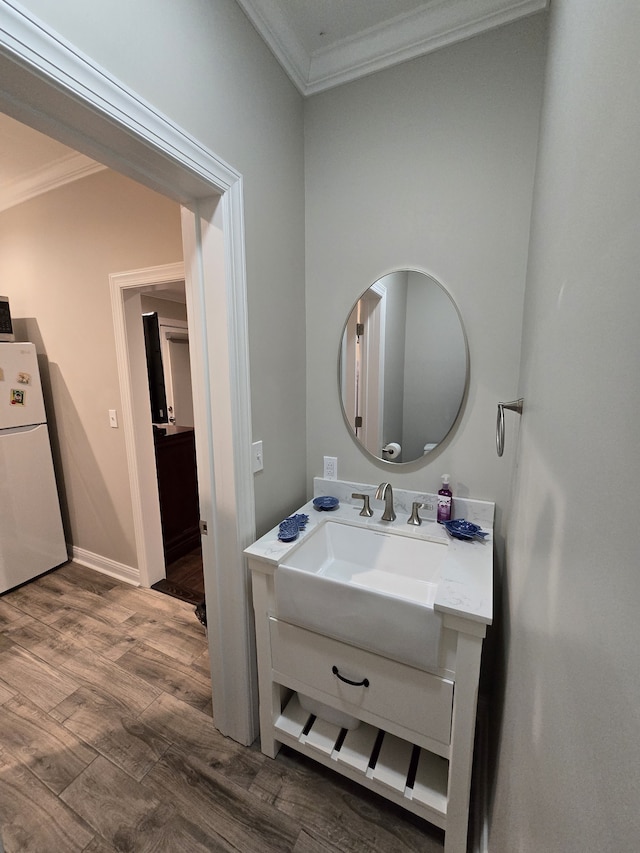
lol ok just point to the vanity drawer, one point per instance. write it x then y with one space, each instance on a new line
409 697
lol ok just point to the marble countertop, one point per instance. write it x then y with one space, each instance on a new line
465 587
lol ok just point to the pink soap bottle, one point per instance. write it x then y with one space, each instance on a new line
445 501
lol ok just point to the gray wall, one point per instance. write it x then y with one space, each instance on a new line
428 165
431 164
201 63
434 366
568 778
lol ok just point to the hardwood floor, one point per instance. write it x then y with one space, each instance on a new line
184 578
107 741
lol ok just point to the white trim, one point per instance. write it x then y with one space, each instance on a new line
64 170
429 27
215 331
103 98
50 85
104 565
268 17
411 35
372 315
163 274
135 417
381 322
172 333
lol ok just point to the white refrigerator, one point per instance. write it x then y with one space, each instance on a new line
31 535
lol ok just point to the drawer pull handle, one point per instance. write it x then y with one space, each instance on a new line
363 683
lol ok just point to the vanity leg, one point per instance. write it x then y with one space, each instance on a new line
269 746
269 693
462 737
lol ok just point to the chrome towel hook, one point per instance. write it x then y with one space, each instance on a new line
515 406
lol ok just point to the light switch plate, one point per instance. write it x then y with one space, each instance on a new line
256 453
113 419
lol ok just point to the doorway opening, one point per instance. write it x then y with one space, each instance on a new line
158 413
60 92
169 370
362 368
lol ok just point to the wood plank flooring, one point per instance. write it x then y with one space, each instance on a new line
184 578
107 741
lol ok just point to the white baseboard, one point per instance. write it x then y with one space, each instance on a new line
104 565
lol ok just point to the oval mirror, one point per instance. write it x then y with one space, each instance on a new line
403 366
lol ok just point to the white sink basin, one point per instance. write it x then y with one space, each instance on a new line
372 589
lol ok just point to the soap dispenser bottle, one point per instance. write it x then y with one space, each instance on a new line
444 500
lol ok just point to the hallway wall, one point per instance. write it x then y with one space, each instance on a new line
56 253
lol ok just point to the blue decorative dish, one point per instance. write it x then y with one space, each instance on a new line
290 528
326 502
461 529
289 535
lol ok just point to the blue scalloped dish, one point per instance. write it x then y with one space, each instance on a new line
290 528
326 502
461 529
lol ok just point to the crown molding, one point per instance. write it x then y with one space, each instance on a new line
274 28
435 25
51 176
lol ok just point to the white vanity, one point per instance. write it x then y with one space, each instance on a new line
369 636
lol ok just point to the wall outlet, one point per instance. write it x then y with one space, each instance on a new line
330 467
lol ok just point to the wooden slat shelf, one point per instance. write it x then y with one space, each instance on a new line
354 755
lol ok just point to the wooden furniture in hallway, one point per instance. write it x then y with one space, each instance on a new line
178 490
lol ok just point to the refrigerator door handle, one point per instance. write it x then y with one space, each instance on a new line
19 429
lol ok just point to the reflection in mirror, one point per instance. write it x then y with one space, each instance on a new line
403 366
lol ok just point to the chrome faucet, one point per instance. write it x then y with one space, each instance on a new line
384 493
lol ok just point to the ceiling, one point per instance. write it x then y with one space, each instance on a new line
324 43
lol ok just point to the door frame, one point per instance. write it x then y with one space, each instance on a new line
59 91
176 332
373 308
136 421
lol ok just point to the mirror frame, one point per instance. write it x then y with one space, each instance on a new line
420 460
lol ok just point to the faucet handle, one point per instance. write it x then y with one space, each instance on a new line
414 518
366 509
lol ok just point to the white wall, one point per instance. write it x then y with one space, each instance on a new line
428 165
201 63
568 777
